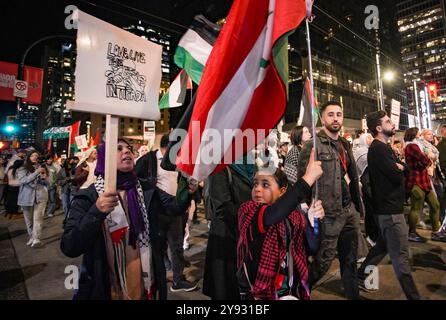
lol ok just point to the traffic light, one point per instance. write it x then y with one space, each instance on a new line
9 128
432 88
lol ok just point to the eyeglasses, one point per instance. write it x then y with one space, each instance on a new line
121 148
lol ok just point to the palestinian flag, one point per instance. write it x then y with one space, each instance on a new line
195 47
94 142
74 132
177 92
305 107
244 84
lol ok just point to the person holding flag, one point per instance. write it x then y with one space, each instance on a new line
275 238
339 191
242 89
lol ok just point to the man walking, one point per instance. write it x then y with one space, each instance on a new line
387 183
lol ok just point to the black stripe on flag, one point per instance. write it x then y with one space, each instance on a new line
207 30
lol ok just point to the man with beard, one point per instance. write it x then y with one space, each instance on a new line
387 183
338 188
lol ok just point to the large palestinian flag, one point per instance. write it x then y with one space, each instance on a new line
244 83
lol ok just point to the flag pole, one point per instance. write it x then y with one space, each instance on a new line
313 120
69 140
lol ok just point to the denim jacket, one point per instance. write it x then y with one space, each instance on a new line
33 189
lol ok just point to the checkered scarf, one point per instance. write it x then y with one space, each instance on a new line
119 244
291 162
273 251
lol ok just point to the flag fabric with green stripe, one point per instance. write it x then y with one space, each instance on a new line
195 47
176 94
244 83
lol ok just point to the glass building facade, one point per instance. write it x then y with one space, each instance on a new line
344 65
421 24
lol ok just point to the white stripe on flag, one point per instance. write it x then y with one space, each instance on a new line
230 109
198 48
175 91
301 112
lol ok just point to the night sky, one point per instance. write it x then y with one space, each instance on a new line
23 22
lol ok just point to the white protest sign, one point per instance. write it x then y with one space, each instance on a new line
81 141
117 72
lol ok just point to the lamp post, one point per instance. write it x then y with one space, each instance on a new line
380 82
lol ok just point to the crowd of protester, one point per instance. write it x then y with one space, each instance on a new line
268 237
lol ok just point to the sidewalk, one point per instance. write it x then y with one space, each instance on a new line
37 274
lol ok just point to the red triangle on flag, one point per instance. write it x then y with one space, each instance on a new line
74 132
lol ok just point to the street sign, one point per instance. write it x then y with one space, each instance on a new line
149 131
20 89
395 113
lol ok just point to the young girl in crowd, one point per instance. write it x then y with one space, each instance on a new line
275 237
33 196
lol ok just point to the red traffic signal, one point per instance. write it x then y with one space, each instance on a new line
3 145
432 88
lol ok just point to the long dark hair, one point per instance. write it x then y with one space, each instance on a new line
296 135
410 134
15 166
29 166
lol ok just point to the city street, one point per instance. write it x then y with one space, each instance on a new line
39 274
272 112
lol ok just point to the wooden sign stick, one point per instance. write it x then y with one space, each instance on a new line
111 152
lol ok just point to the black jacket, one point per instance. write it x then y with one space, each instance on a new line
386 180
83 235
146 169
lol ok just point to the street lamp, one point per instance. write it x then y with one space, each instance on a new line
389 75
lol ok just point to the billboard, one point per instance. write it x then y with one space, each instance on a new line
33 76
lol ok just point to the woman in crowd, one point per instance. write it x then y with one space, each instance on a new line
419 186
275 237
299 135
434 170
118 235
12 209
33 196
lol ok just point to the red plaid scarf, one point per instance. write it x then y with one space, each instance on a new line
273 251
